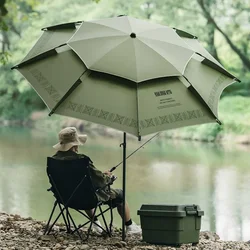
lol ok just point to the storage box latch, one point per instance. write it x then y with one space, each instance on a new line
191 210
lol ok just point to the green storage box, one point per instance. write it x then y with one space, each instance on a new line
170 224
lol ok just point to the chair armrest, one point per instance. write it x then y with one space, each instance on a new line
107 185
100 188
112 179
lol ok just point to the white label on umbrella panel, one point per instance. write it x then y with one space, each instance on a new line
166 103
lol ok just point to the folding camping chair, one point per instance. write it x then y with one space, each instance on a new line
72 188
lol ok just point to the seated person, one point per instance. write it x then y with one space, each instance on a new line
67 149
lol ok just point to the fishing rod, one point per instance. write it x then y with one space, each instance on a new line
114 168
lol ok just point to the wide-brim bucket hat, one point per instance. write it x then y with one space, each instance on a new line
68 137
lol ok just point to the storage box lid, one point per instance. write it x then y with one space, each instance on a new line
170 210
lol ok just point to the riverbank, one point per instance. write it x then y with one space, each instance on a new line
19 233
231 132
234 113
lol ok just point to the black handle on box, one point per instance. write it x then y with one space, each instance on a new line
191 210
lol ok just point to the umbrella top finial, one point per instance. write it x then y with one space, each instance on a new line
133 35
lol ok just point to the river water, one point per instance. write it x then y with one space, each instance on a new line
162 172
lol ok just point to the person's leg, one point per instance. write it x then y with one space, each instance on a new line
95 228
127 211
90 212
131 226
118 203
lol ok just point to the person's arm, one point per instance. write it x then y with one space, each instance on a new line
99 179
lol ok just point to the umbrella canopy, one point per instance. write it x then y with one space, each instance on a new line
69 88
54 71
131 48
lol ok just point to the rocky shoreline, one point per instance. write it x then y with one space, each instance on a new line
17 233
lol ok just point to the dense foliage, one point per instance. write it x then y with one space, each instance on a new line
222 26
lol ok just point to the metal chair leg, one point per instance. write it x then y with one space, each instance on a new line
76 228
104 220
111 219
47 225
91 223
66 221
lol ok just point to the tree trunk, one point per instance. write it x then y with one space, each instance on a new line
242 56
5 41
211 46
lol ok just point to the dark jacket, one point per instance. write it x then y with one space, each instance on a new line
99 179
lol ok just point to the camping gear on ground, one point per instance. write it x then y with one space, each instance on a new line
128 74
170 224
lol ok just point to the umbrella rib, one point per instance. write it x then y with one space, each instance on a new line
185 34
177 45
199 97
71 25
160 56
113 28
97 37
106 54
66 95
136 69
39 57
137 107
129 25
215 66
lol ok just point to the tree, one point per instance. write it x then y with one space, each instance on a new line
10 15
222 27
239 7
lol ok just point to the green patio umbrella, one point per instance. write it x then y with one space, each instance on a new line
70 87
140 109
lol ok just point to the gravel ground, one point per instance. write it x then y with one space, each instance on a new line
25 233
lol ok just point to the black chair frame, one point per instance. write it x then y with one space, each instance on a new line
65 205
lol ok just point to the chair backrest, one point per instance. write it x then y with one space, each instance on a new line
71 182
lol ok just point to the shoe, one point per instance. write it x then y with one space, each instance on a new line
133 229
97 229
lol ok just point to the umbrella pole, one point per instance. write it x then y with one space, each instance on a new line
124 185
